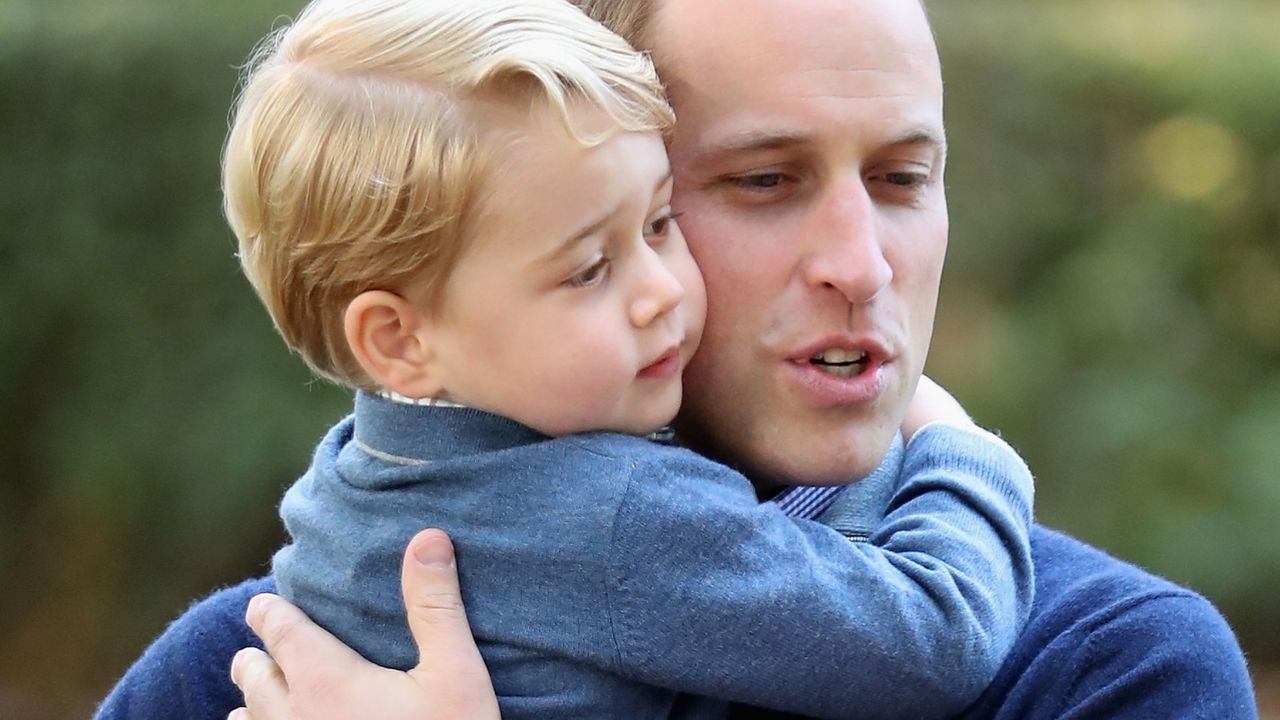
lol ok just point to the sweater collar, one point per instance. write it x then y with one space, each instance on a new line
412 434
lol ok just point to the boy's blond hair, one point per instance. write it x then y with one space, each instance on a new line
355 152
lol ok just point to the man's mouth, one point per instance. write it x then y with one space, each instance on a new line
840 363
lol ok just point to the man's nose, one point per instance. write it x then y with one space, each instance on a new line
657 291
846 244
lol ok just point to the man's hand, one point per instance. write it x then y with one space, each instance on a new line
311 675
932 404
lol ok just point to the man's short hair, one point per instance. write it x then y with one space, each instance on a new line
631 18
356 148
628 18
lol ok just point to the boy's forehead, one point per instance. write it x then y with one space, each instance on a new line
541 179
520 136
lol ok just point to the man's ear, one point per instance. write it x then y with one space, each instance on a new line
390 338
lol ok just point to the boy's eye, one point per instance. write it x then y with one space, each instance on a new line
592 275
659 227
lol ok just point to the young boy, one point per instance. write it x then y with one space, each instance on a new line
461 210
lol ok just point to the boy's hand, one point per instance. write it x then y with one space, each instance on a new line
932 404
311 675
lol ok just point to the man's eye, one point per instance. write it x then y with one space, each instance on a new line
761 181
906 179
592 275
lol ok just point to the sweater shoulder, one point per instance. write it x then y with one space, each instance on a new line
1070 572
1108 639
185 672
1117 609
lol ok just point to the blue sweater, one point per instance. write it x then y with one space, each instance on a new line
604 574
1104 641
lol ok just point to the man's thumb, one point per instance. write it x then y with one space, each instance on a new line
448 661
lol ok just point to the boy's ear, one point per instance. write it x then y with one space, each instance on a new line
390 338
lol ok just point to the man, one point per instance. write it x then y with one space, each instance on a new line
808 157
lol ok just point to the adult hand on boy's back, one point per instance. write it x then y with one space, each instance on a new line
310 675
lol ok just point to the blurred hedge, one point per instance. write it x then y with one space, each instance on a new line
1112 304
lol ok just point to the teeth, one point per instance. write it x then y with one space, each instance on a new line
840 371
841 363
835 356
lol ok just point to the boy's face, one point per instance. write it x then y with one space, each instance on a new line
576 304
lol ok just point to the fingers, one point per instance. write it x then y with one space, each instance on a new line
449 664
262 684
309 659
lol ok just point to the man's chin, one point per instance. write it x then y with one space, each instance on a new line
796 453
822 472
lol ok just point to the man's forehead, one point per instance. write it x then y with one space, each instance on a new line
769 77
684 27
712 48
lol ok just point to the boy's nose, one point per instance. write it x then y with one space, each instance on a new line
658 291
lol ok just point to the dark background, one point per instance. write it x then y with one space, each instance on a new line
1112 305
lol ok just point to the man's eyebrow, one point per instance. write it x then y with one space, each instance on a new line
920 136
592 228
754 141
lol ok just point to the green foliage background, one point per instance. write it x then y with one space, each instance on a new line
1112 305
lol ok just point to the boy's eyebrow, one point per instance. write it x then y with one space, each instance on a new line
592 228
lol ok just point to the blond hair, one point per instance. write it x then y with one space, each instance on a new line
354 156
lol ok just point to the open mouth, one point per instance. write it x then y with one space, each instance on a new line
664 366
840 363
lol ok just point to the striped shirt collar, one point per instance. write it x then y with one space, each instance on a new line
806 501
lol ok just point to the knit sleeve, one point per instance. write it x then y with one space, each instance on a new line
186 672
717 595
1165 655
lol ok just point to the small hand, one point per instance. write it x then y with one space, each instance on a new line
931 404
311 675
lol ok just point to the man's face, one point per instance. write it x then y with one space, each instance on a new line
808 155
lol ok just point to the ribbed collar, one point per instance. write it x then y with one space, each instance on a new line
406 433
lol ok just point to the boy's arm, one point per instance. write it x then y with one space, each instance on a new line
718 596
